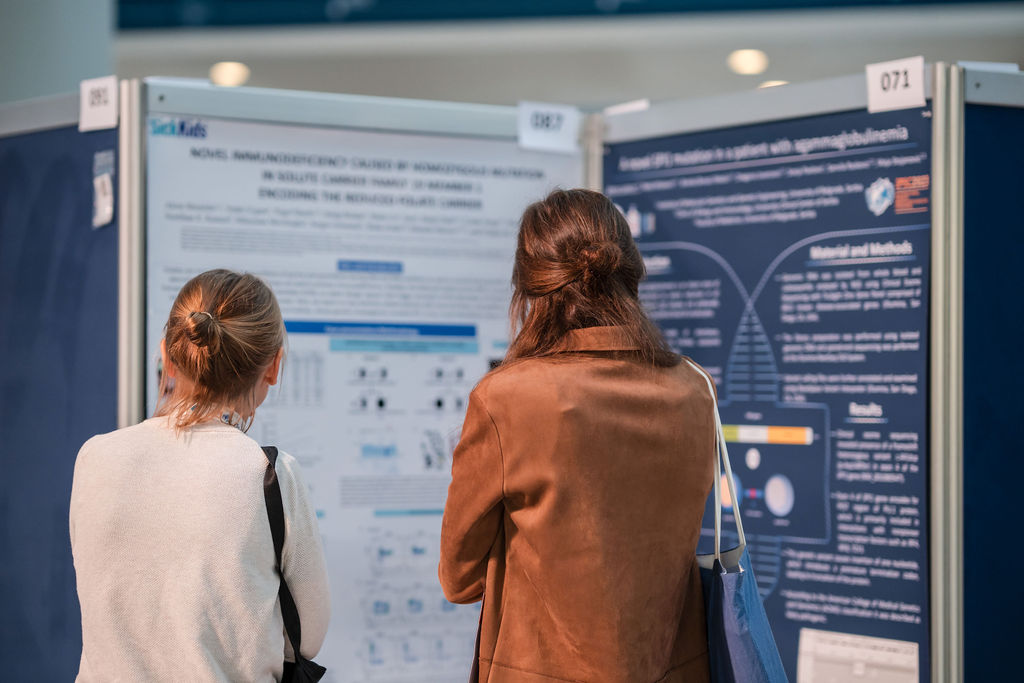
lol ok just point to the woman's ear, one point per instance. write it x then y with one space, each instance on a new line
274 369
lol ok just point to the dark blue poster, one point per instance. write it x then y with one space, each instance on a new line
791 259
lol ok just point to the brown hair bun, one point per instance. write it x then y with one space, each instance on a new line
577 266
203 330
598 260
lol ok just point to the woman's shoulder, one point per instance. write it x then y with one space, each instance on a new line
160 433
112 449
142 431
696 374
522 375
533 379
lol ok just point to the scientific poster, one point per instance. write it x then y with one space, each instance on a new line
791 259
391 256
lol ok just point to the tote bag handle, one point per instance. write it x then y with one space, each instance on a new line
721 456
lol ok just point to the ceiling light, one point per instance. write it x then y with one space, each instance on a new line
229 74
772 84
747 62
626 107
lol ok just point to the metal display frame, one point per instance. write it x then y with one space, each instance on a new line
142 99
131 259
945 419
848 93
826 96
187 97
40 113
999 88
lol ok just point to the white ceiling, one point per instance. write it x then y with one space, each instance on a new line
589 62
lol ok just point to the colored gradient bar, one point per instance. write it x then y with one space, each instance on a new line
403 346
768 434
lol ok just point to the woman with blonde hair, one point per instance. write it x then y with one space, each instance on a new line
177 573
580 479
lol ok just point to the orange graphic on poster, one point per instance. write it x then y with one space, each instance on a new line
912 193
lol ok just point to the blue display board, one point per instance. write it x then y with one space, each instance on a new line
791 259
58 345
993 368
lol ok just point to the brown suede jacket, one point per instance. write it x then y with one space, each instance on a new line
574 511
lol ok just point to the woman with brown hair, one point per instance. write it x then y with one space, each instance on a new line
580 479
176 567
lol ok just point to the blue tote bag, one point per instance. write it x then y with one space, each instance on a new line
741 647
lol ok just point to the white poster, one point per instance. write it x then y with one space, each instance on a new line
391 256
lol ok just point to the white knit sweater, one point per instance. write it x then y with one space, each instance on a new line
175 562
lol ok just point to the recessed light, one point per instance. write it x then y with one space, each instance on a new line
772 84
229 74
626 107
747 62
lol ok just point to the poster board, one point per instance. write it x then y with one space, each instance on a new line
386 228
58 339
787 236
991 323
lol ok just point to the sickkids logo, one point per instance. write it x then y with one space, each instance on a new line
182 128
879 196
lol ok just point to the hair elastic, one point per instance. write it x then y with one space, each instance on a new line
206 313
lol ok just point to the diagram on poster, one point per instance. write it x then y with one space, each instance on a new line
791 260
391 257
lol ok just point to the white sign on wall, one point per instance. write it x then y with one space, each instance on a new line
97 105
549 127
898 84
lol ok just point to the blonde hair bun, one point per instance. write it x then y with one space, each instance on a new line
204 330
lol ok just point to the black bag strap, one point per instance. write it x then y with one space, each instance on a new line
474 673
275 512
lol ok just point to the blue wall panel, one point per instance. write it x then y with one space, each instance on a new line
993 372
58 384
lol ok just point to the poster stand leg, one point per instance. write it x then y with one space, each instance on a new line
946 376
130 335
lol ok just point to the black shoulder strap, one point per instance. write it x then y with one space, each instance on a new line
275 512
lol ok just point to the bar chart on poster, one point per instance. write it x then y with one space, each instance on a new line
791 259
390 254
